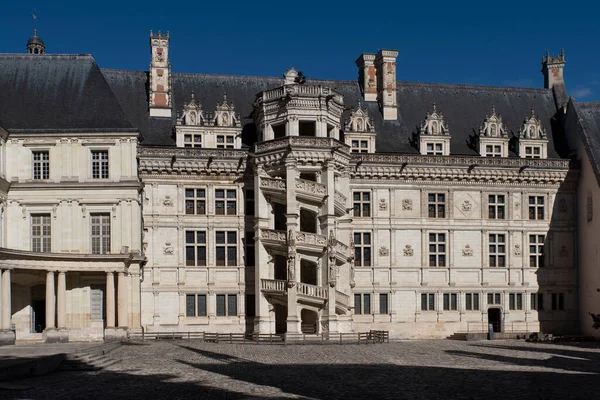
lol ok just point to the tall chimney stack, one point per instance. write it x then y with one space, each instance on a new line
385 65
367 76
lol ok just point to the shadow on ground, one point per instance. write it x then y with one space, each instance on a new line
577 379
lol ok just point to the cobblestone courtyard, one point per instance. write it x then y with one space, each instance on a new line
408 369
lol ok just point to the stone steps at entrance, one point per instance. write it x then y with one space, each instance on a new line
92 359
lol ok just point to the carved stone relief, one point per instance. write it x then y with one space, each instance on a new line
167 202
382 205
168 249
467 251
407 205
408 251
517 251
467 205
384 251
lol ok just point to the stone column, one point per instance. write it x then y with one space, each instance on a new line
122 300
50 307
6 309
61 301
7 336
293 225
110 299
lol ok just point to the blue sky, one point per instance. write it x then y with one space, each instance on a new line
484 43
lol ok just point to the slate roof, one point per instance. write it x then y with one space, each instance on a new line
464 107
57 93
585 118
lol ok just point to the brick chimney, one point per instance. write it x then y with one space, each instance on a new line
552 68
385 66
367 77
160 76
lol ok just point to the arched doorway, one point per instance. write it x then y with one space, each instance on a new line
495 318
310 320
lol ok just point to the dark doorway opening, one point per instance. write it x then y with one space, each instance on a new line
307 128
281 314
495 318
38 316
279 131
280 267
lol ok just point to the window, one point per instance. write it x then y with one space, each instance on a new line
493 150
427 302
435 149
226 305
472 301
225 142
100 233
362 204
195 201
249 249
537 301
533 152
383 303
494 298
437 249
362 249
450 301
41 165
100 164
437 205
226 248
195 248
226 201
536 251
362 304
496 206
536 207
192 140
41 233
249 204
96 302
360 146
497 247
515 301
195 305
558 301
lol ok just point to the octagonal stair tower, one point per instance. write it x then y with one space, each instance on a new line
302 230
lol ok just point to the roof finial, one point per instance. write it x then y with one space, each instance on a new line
359 104
224 97
34 15
192 95
493 109
434 107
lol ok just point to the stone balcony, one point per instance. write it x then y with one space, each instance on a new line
310 191
305 242
307 293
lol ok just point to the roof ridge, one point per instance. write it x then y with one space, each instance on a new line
41 56
475 87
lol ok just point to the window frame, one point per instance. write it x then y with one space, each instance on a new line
537 301
195 199
227 245
227 303
450 301
362 145
361 249
537 257
364 307
364 207
196 297
437 249
428 299
495 151
530 152
497 256
100 167
225 143
41 167
40 242
104 245
537 208
226 201
438 202
193 142
496 299
472 302
515 301
558 301
496 206
196 244
437 149
384 303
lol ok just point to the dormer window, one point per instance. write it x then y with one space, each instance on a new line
493 139
434 135
532 138
359 132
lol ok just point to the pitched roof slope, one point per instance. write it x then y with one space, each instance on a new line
464 107
585 118
57 93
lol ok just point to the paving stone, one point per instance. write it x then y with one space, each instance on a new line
433 369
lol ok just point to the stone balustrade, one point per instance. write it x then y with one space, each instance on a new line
273 235
340 198
320 143
311 239
312 290
311 187
273 285
272 183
